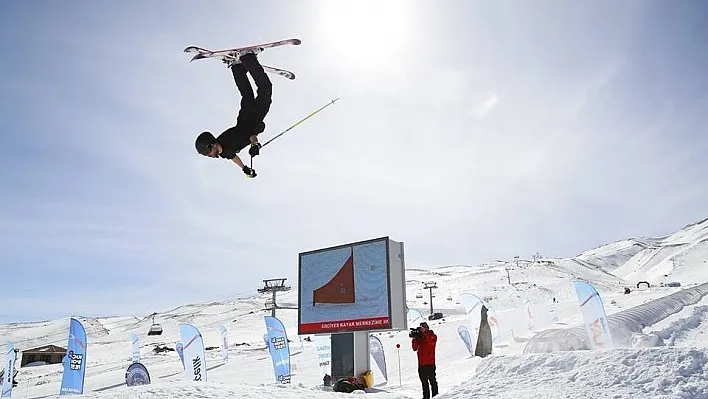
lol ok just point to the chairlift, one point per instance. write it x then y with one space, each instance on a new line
155 329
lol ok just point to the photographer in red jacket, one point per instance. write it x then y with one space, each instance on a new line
424 340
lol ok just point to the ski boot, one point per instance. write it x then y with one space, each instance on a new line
235 57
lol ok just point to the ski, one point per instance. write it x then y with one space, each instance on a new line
236 51
230 60
279 71
230 56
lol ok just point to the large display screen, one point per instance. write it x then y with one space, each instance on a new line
348 287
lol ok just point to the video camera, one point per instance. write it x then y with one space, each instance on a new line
416 332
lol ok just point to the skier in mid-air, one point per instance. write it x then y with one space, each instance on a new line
249 122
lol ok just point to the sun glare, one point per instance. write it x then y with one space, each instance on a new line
358 31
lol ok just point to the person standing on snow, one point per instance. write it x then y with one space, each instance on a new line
424 340
249 122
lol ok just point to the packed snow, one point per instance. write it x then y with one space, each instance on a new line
667 359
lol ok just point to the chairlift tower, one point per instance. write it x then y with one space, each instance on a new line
430 285
273 285
508 268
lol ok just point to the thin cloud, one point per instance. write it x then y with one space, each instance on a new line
481 109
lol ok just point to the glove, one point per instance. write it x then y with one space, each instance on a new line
249 172
255 149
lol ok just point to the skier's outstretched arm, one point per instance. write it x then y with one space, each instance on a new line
238 161
248 171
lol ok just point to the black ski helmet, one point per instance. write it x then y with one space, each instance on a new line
204 141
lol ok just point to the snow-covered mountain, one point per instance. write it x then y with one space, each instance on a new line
681 255
613 255
652 259
610 267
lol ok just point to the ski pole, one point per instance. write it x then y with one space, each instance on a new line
295 124
300 121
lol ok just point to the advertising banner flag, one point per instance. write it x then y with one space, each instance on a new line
414 317
377 352
528 309
323 343
279 349
72 382
465 335
552 309
9 373
594 315
193 352
493 321
135 348
179 348
224 343
473 308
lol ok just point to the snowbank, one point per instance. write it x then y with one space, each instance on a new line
682 325
622 324
664 372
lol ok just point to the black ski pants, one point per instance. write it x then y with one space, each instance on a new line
253 108
428 380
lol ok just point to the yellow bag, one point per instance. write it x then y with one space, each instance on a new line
368 378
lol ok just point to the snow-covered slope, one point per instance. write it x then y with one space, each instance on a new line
660 373
508 373
655 371
681 256
613 255
652 259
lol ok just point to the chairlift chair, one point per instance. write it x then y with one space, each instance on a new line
155 329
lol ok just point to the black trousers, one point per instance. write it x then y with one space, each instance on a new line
428 380
253 108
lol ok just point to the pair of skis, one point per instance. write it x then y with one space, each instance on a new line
231 56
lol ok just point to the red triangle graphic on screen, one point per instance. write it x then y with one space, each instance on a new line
340 289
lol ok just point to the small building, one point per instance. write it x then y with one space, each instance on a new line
48 354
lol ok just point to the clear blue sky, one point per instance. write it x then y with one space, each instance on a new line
470 130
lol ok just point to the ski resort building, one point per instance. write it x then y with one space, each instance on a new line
48 354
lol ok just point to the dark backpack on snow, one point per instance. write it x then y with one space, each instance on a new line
347 385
